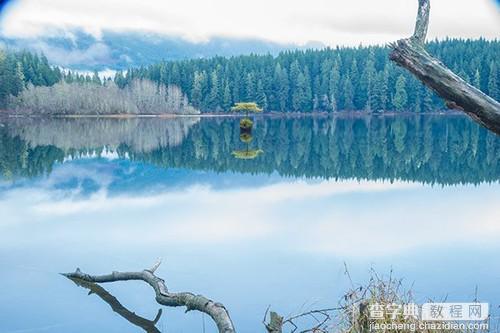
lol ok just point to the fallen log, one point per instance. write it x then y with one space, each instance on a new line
410 54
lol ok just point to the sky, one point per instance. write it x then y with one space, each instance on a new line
331 22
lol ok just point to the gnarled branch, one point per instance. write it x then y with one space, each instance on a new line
458 94
147 325
215 310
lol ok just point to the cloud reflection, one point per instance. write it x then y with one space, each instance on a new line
333 218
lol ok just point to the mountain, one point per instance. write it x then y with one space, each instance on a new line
79 50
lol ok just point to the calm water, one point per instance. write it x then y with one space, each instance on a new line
418 194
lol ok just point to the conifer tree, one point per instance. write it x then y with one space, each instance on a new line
493 89
477 79
400 97
348 94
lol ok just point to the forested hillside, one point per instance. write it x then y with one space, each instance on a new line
329 80
323 80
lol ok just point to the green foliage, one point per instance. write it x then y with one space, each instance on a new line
246 137
325 80
246 123
401 97
247 154
246 107
493 88
17 70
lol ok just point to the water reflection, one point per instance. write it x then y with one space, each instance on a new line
247 153
326 190
427 149
148 326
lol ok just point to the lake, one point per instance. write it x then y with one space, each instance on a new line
416 194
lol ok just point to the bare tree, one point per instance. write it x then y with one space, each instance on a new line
140 97
458 94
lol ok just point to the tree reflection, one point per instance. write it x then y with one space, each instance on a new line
443 150
247 153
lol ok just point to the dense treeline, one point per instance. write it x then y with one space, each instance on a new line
427 149
17 70
20 70
28 83
329 80
139 97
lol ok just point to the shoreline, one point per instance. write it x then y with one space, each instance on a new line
341 114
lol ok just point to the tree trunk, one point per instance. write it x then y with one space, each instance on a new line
458 94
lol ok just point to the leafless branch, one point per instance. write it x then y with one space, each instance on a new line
147 325
215 310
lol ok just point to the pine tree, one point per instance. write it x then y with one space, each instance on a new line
250 87
427 103
377 104
477 80
493 90
198 87
354 78
384 94
418 101
260 95
400 97
369 78
348 94
324 83
333 89
18 81
227 102
119 79
213 97
96 79
298 95
281 87
307 99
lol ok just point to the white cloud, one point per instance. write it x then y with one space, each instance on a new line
333 22
253 199
95 54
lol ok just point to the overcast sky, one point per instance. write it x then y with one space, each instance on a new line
332 22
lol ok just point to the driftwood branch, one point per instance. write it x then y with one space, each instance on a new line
458 94
94 289
215 310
